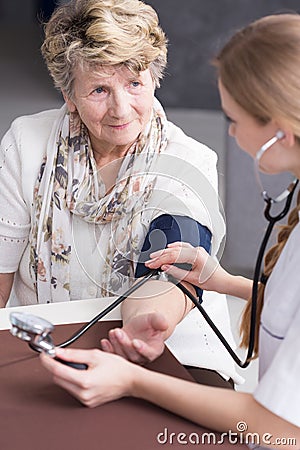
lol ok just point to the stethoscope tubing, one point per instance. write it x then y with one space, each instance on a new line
107 310
243 364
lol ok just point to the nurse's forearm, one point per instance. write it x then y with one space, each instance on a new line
158 296
237 286
214 408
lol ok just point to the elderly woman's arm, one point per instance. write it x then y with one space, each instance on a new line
149 318
144 329
6 282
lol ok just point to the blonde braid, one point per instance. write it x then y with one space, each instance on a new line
269 263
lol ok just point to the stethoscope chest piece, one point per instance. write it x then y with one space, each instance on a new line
37 332
33 329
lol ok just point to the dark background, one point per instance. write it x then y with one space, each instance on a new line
195 28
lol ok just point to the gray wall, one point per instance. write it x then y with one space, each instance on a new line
196 29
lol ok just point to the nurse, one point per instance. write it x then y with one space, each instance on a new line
259 84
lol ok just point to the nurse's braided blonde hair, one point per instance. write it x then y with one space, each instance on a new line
269 263
260 68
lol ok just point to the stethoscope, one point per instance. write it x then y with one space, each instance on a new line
37 331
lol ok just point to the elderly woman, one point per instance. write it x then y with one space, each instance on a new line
88 191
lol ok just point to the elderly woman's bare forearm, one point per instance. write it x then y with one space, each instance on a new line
158 296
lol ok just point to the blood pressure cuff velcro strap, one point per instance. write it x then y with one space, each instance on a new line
166 229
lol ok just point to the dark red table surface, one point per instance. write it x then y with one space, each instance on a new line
35 414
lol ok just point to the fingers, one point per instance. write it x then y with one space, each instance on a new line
174 253
99 384
170 256
74 381
177 273
203 266
178 245
106 346
64 376
72 355
77 355
147 352
140 340
60 372
121 344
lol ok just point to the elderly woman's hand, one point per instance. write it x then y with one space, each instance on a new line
141 339
100 383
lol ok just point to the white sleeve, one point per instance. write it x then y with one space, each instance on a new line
279 389
14 214
189 173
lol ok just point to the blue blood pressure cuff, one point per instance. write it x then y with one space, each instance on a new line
166 229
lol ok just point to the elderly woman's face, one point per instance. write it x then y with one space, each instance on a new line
114 104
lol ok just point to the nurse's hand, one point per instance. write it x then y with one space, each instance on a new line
206 272
107 378
141 339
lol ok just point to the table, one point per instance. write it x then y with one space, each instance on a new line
36 414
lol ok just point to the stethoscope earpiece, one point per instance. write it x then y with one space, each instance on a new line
269 200
280 134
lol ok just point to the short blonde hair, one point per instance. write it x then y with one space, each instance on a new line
95 33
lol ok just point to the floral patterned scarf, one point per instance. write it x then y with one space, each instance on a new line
69 184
